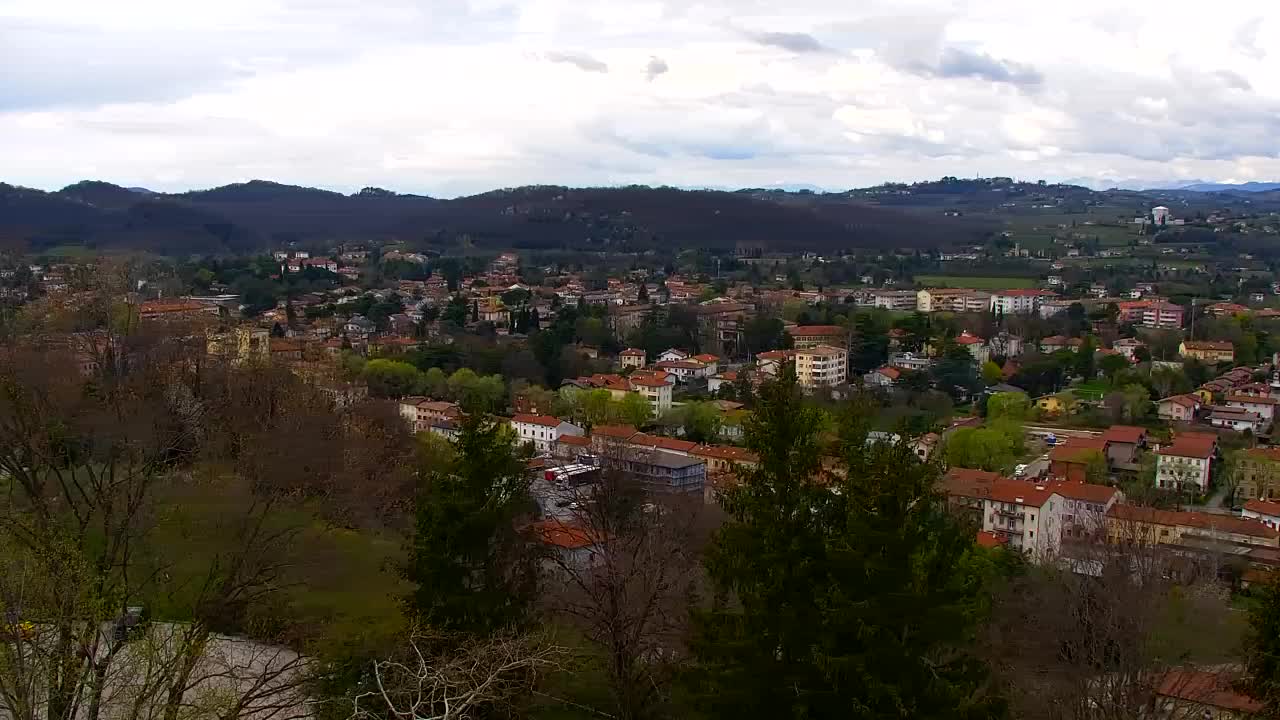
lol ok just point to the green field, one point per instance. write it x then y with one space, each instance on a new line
975 282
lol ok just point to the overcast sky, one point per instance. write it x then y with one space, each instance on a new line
451 97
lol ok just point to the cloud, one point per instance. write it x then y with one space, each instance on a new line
790 41
958 63
583 62
656 67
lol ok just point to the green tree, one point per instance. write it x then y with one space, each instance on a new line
1084 360
1262 649
594 407
390 378
956 371
991 373
1112 364
861 603
472 570
634 410
700 421
1013 406
985 448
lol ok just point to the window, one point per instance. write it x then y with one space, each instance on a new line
1031 534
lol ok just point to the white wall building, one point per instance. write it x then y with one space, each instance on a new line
1020 301
542 430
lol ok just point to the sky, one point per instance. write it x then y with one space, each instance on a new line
452 97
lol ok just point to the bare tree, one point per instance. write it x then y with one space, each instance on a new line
438 678
626 575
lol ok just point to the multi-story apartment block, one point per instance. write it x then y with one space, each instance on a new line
1151 313
806 336
542 430
1186 462
1021 301
822 366
895 299
952 300
1257 473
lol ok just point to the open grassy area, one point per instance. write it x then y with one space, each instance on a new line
975 282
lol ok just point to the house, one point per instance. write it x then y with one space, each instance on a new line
1123 444
1257 473
770 362
821 366
1071 460
654 388
684 370
1128 347
447 429
672 355
542 430
1210 351
420 412
807 336
1266 512
667 472
709 361
1026 515
358 327
1084 508
909 361
967 490
1053 344
1178 408
1262 406
1055 404
1237 419
976 346
882 377
1186 461
574 547
1020 301
633 358
1005 345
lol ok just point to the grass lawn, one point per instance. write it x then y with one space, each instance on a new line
975 282
1091 390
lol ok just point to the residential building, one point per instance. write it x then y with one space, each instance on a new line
909 361
976 346
239 345
807 336
1266 512
1209 695
654 389
1237 419
1053 344
895 299
822 366
1186 461
1071 460
953 300
685 370
882 377
1262 406
1210 351
420 412
667 472
1049 308
1124 442
1005 345
709 361
542 430
1027 515
1084 508
1130 524
1022 301
1151 313
1257 473
1128 347
1178 408
770 362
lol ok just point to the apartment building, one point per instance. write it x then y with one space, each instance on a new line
806 336
1151 313
1020 301
1130 524
1026 515
542 430
1186 461
822 366
955 300
1210 351
894 299
1257 473
656 390
976 346
632 358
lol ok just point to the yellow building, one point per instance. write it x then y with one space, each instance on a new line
1210 351
822 366
239 345
1257 473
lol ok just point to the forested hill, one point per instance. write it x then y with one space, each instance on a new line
260 214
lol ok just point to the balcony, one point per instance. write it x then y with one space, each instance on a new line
1016 514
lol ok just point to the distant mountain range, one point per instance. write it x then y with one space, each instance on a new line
259 214
1229 187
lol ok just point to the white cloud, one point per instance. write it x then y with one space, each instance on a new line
447 96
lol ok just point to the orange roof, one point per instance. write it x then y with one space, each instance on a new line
1019 492
1084 491
1124 434
633 351
965 338
647 381
1255 400
725 452
1264 453
807 330
662 442
706 358
616 432
1265 507
1192 445
547 420
1074 448
1207 688
989 539
1184 400
890 372
680 365
579 440
562 535
170 306
967 482
1208 345
775 354
1202 521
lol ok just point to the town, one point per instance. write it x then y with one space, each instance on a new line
1076 397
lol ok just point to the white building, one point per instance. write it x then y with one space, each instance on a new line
822 366
1186 461
1020 301
895 299
1264 511
976 346
672 354
632 358
656 391
1160 215
1026 515
542 430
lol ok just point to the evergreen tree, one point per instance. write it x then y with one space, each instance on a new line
1262 649
1084 360
859 603
473 571
642 297
475 311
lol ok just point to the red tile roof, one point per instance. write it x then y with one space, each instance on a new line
725 452
1191 445
989 539
967 482
1265 507
578 440
1125 434
965 338
1208 345
1088 492
1253 400
1198 520
547 420
614 432
1074 449
1020 493
1202 687
562 535
633 351
662 442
